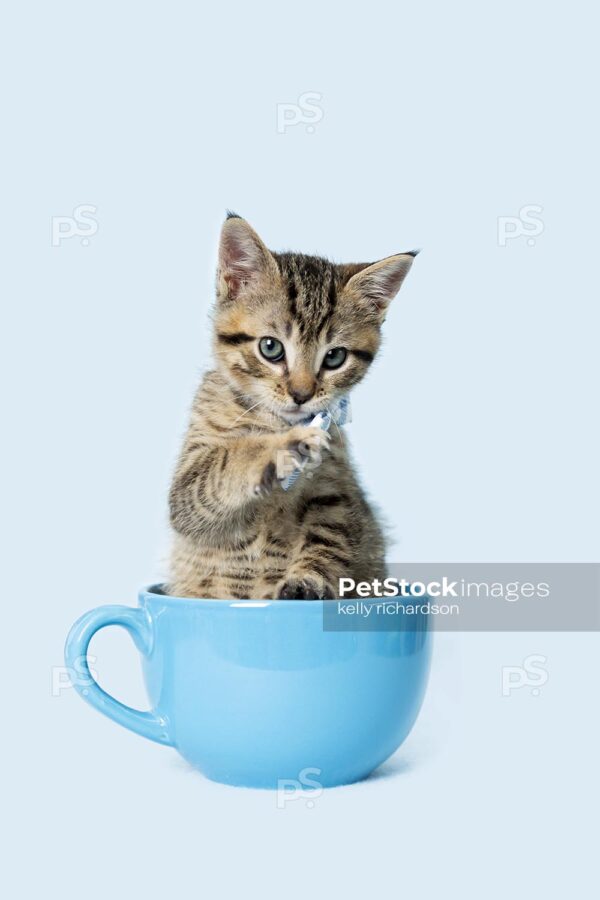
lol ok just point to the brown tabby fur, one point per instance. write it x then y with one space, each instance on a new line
237 533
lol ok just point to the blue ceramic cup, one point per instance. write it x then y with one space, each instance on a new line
255 693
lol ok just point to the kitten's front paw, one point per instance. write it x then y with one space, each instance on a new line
301 448
305 446
310 587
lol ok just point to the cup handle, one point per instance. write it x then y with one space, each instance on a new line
138 623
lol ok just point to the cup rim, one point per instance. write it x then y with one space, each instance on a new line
154 592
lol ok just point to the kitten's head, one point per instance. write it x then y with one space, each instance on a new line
294 332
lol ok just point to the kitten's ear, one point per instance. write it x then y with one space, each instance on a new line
243 258
378 284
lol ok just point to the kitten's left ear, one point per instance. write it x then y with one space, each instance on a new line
379 283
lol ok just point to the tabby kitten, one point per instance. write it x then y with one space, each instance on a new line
293 334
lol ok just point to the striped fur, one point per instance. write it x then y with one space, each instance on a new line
238 535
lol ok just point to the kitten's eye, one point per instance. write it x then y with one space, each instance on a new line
271 349
334 358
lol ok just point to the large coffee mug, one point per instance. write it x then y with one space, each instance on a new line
256 693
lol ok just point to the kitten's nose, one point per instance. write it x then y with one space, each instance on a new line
301 394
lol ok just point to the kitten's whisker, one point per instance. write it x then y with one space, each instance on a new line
245 413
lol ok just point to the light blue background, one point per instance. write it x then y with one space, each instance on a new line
476 430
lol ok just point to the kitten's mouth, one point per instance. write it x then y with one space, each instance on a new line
295 415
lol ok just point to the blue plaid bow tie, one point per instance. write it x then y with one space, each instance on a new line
338 412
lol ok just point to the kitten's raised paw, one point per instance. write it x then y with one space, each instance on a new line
302 448
306 445
308 588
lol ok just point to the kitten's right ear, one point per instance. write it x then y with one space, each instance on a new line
243 258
